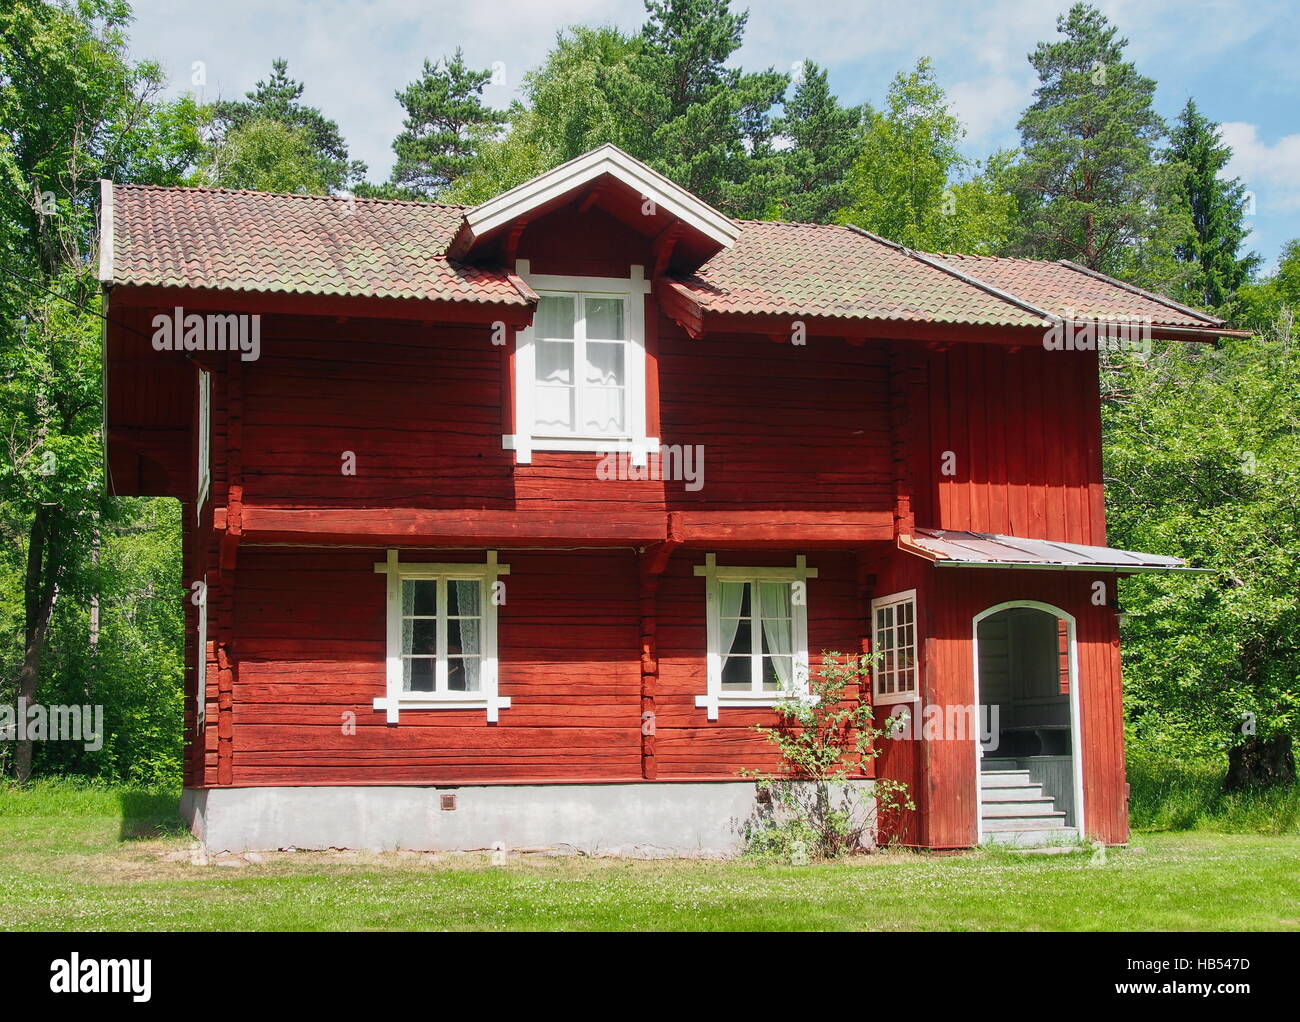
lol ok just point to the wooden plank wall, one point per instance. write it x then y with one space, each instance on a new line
310 627
781 426
1024 425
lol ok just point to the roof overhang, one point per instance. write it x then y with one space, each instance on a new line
546 191
946 548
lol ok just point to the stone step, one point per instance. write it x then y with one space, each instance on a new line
1054 822
1042 807
1020 793
1033 838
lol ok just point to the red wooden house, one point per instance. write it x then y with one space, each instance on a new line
507 523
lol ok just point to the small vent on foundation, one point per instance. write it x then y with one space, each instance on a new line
447 802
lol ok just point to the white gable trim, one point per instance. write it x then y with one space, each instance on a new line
608 159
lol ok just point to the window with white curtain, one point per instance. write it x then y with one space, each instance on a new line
580 372
757 633
580 367
893 642
442 639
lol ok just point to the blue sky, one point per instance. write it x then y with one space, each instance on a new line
1237 58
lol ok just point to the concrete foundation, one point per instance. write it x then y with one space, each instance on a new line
645 820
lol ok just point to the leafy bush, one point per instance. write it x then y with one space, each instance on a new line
824 738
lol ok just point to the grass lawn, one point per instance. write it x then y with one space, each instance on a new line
77 858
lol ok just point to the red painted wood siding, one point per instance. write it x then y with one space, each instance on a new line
310 628
1024 427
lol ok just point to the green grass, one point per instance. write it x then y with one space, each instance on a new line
1167 794
77 857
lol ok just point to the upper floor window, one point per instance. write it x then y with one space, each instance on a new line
757 623
580 368
893 640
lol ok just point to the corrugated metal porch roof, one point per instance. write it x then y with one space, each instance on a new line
955 549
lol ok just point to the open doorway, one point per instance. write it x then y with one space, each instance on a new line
1030 782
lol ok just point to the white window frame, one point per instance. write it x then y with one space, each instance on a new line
913 695
201 667
395 700
632 290
713 574
205 441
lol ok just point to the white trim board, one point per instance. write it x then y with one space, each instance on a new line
105 230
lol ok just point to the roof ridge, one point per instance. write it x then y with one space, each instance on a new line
788 223
943 267
1150 295
336 197
992 258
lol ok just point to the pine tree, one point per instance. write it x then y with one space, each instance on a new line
446 119
1217 207
703 124
240 125
1090 185
823 140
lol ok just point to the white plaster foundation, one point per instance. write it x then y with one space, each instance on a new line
644 820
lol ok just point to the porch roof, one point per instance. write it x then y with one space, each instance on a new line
948 548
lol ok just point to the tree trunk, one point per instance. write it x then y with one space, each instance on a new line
38 592
1260 763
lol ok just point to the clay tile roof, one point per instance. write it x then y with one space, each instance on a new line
1070 291
329 245
306 244
813 270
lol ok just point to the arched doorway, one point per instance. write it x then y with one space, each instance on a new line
1029 767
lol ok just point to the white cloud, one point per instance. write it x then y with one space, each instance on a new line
990 106
354 54
1271 171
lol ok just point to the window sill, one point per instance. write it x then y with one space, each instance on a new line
456 701
892 698
639 449
732 701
